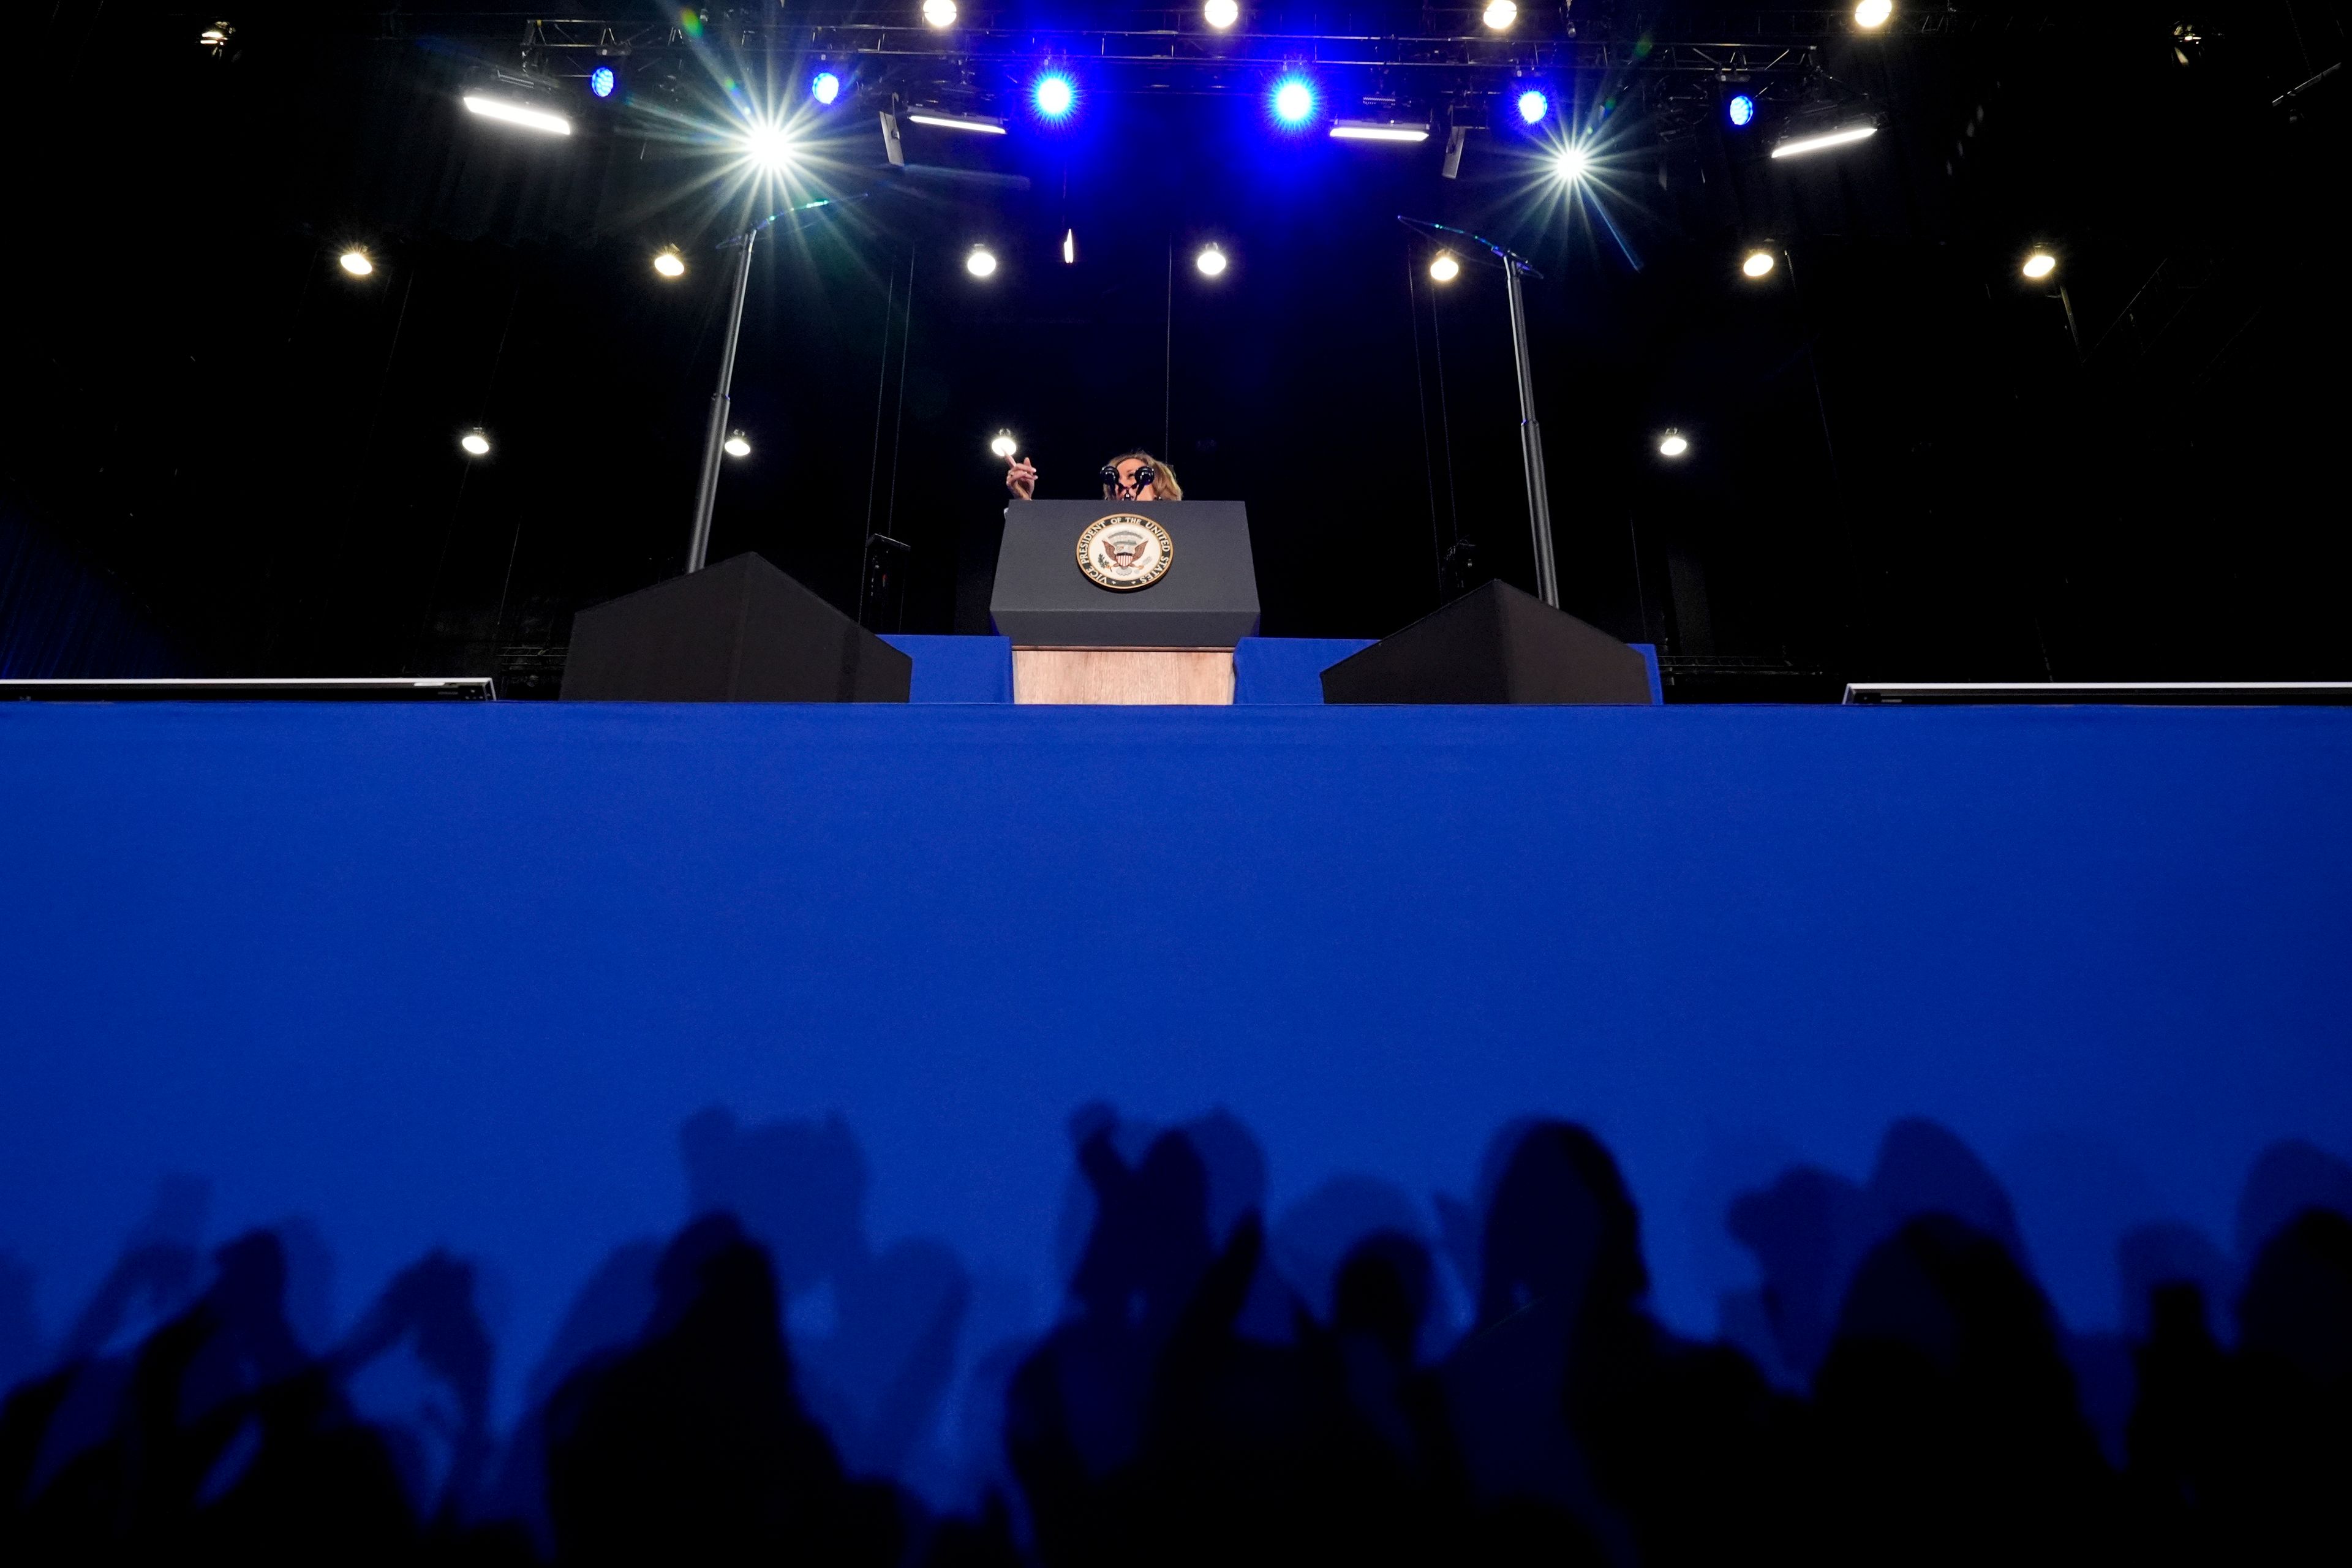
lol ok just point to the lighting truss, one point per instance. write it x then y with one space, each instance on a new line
1467 78
1187 59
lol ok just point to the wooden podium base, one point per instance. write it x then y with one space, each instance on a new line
1164 677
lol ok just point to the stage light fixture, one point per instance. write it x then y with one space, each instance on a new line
1378 131
518 115
982 262
1070 249
1500 15
1533 106
2041 264
477 443
1759 264
1798 146
1211 261
1673 444
1443 267
984 124
1054 96
1004 445
355 262
940 13
766 144
668 262
825 87
1872 13
1221 14
1294 100
1573 162
602 80
217 36
1740 111
738 445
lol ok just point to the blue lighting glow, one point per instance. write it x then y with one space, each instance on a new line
1294 100
1054 95
1533 106
825 87
602 80
1742 111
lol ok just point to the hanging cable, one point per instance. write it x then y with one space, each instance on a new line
898 425
1421 397
1445 423
881 384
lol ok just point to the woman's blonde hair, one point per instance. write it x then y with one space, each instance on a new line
1163 477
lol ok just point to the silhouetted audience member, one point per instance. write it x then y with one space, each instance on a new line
228 1441
1195 1404
692 1447
1949 1425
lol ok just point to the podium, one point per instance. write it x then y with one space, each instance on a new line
1125 602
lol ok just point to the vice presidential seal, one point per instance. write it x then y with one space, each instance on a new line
1124 552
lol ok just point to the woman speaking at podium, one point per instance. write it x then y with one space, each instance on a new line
1131 476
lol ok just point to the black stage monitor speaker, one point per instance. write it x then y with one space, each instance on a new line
741 631
1494 644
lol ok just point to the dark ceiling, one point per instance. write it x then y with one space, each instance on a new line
1908 461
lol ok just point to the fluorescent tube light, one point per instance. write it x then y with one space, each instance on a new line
1378 131
985 124
515 114
1798 146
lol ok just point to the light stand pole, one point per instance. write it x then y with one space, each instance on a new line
1531 434
714 440
706 497
1531 457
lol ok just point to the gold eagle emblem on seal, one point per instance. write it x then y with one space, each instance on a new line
1125 552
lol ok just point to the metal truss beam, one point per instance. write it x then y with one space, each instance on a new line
1748 45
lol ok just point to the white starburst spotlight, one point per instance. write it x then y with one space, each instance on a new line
766 144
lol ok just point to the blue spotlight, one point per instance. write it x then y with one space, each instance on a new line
1741 111
602 80
1533 106
1294 100
1054 96
825 87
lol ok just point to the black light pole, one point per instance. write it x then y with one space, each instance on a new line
1532 458
714 440
706 497
1530 432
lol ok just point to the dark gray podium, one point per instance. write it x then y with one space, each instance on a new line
1078 639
